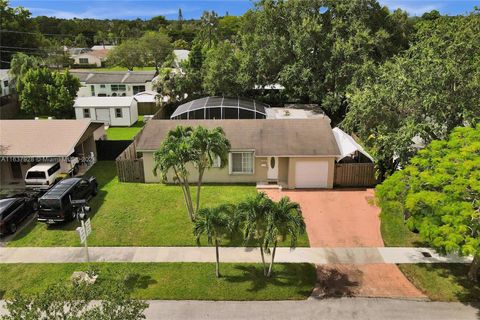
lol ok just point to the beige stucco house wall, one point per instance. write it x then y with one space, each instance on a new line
213 175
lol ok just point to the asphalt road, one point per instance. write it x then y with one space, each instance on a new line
335 309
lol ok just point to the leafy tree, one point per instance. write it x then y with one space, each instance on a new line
42 91
74 301
81 41
215 223
174 154
13 20
181 44
156 46
20 64
208 28
439 192
424 92
284 218
220 70
208 145
252 215
55 55
128 54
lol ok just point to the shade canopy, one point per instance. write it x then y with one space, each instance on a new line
221 108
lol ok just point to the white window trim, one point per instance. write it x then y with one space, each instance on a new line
121 113
230 163
85 111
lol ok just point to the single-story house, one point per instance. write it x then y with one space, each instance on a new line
294 153
113 83
25 143
96 57
114 111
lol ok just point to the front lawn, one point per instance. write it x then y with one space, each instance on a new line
125 133
442 282
172 281
137 214
394 231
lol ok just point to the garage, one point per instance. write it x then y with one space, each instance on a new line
311 174
103 115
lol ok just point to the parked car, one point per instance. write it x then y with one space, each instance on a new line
56 204
14 210
42 175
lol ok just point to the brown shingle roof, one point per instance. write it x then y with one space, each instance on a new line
49 138
292 137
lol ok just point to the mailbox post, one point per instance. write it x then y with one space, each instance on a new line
86 227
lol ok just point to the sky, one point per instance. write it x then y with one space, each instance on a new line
144 9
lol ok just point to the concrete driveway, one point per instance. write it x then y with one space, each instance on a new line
347 218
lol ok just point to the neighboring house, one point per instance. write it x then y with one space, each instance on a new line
102 47
242 108
113 83
89 58
76 51
179 56
114 111
4 82
293 153
25 143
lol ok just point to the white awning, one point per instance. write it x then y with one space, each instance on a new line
347 145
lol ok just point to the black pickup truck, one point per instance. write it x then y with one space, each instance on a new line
55 205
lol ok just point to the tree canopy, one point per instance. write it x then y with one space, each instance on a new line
439 193
423 92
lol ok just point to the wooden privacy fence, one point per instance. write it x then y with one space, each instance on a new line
129 168
355 175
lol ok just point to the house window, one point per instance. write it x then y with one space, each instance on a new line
118 113
118 87
102 86
5 83
92 89
83 60
86 113
241 162
137 89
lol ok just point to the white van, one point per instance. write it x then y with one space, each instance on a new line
42 175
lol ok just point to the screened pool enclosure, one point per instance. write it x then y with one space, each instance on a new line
221 108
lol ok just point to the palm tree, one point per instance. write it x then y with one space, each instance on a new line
253 214
284 219
215 223
208 146
173 155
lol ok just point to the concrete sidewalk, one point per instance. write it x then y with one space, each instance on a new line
342 308
317 256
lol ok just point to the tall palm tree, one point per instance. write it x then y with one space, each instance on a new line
215 223
208 145
252 214
284 219
173 155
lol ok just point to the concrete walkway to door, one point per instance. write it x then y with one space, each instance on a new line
346 218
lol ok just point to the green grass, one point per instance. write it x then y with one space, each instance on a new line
137 214
175 281
442 282
125 133
394 231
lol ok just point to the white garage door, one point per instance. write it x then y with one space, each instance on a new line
103 115
311 174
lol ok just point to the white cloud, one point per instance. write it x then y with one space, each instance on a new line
104 12
415 8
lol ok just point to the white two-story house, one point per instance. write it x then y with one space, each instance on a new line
113 83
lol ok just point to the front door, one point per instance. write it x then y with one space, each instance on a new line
272 173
